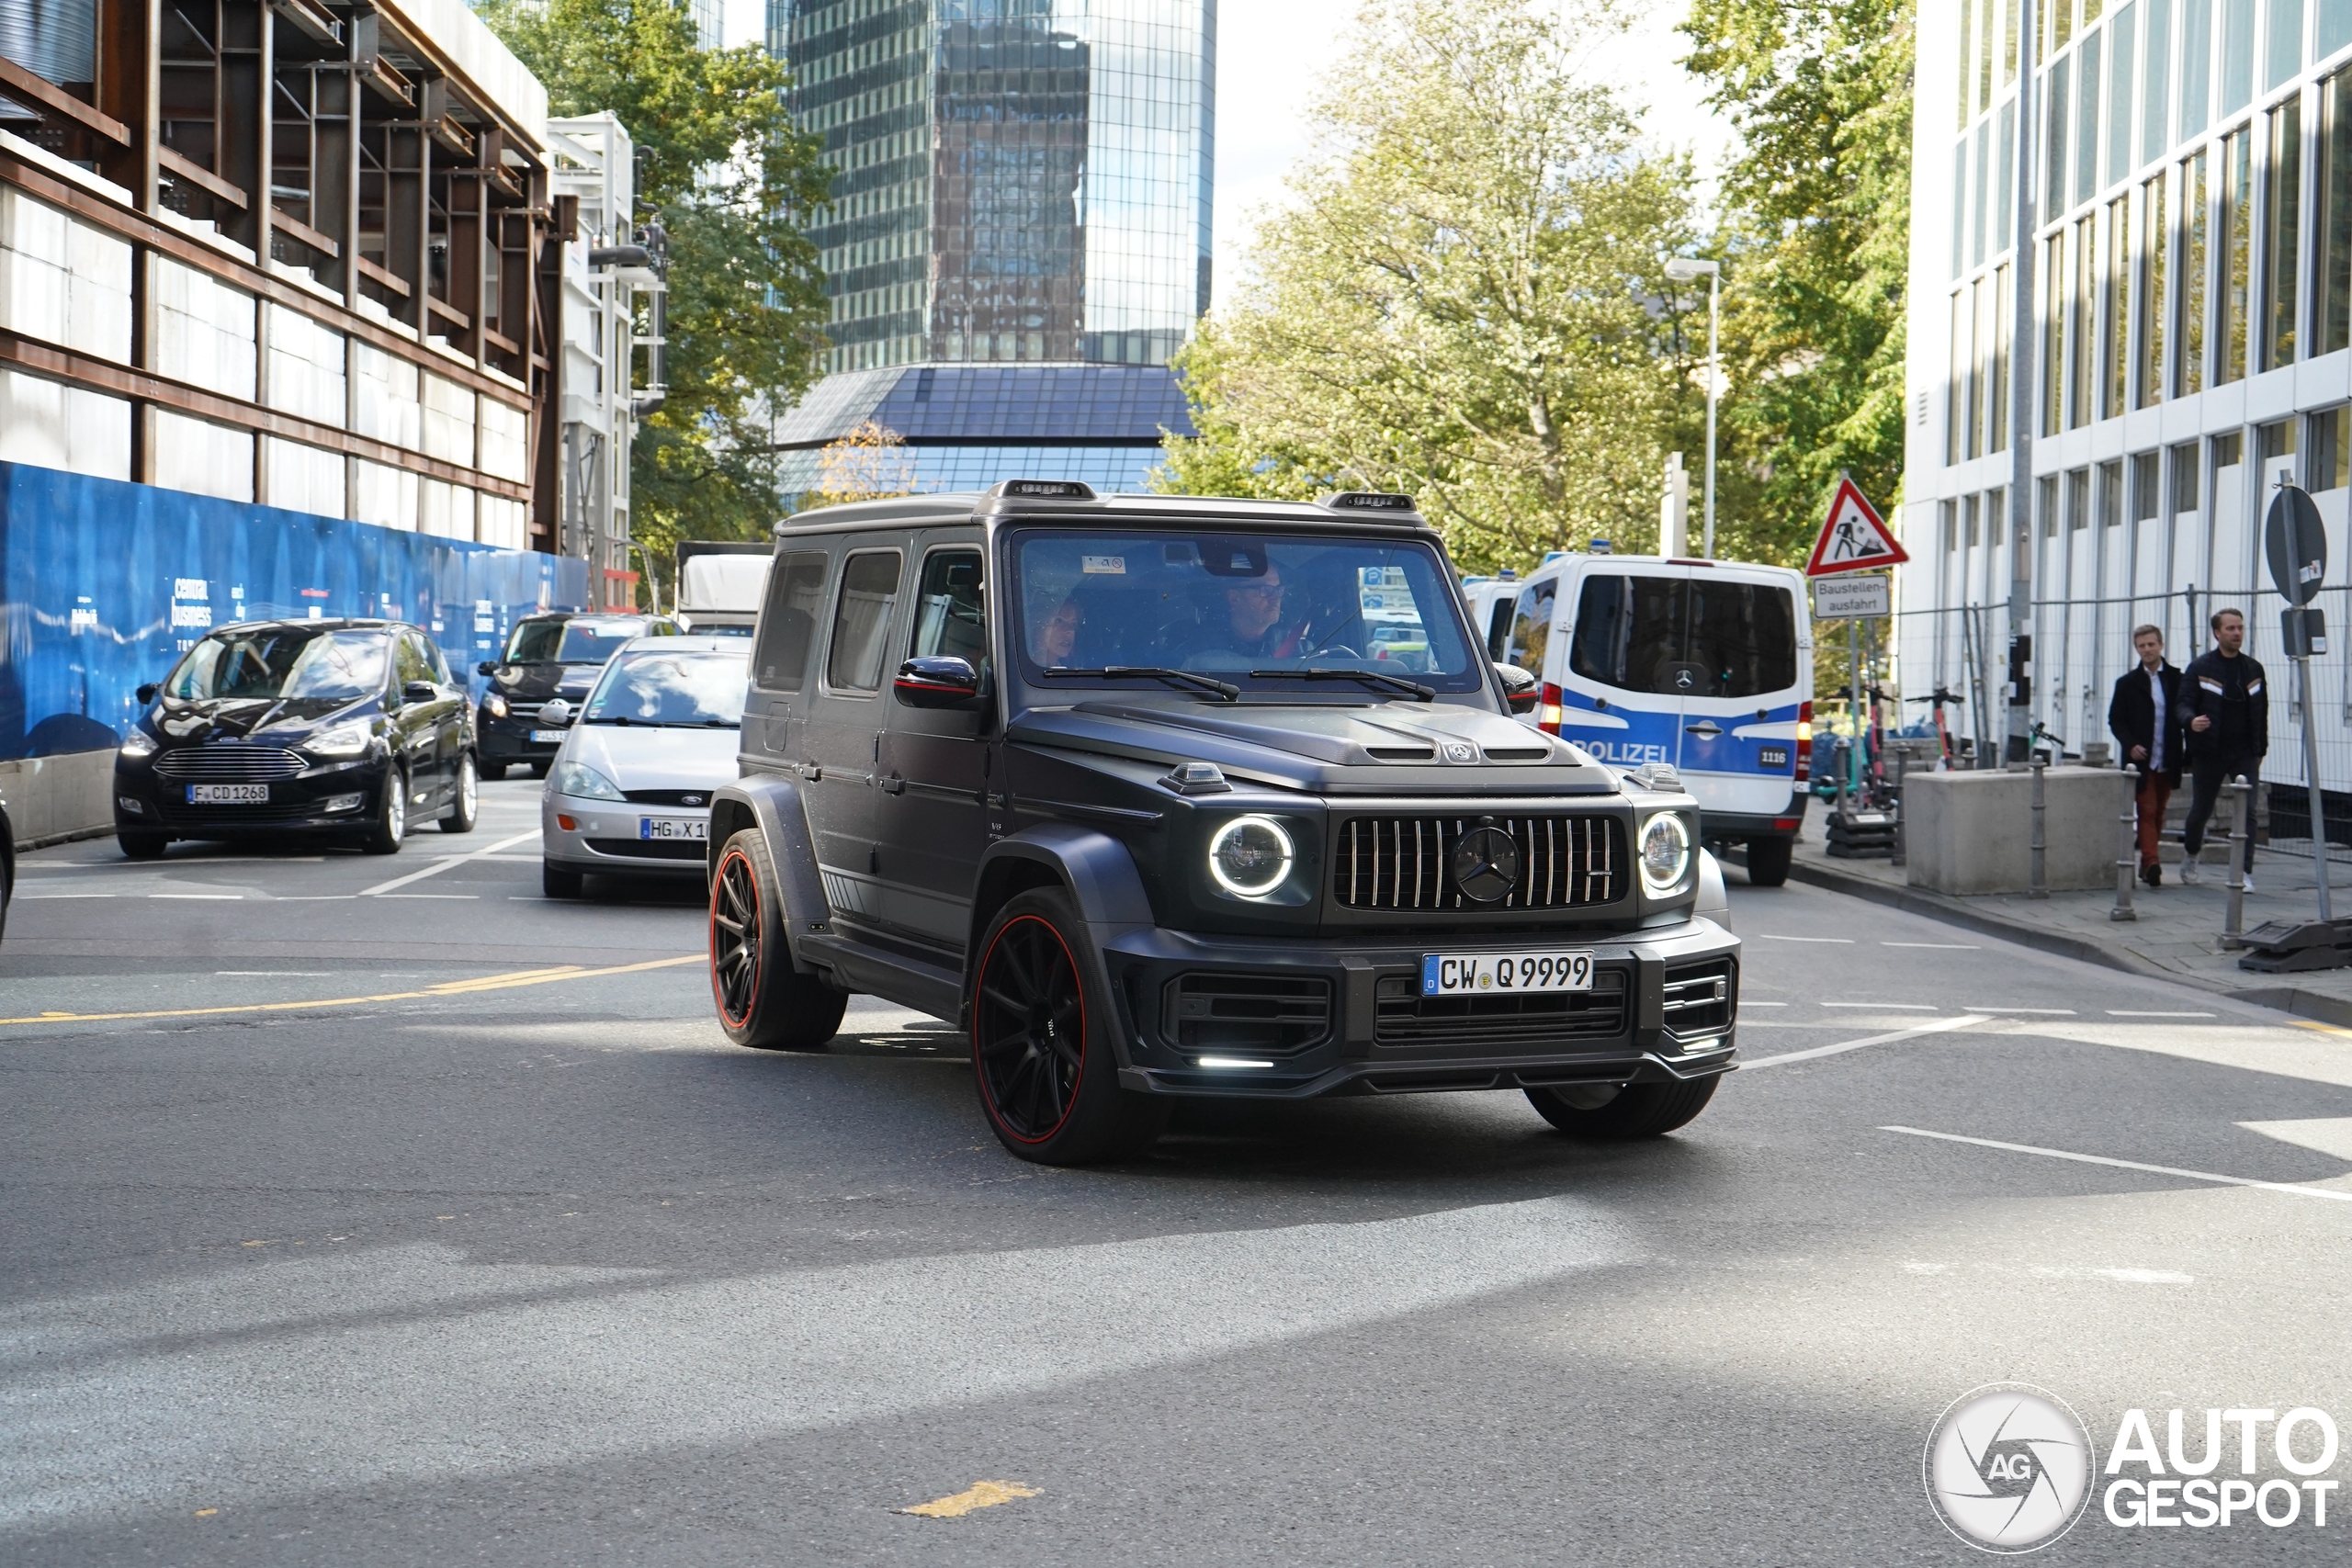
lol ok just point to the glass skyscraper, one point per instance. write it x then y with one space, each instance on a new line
1017 182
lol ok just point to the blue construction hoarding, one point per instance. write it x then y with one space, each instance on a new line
106 584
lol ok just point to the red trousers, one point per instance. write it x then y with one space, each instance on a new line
2153 795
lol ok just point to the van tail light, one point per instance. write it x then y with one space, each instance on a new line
1547 710
1804 742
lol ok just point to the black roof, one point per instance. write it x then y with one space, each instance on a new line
1116 510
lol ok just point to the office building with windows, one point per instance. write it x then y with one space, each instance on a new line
2184 203
1017 182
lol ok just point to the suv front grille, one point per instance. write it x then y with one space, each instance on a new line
670 797
1405 1016
1400 862
1266 1014
229 764
1700 999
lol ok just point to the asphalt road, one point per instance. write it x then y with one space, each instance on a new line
405 1216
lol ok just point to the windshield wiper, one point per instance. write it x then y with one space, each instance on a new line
1413 689
1223 689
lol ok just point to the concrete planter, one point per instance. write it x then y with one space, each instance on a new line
1974 832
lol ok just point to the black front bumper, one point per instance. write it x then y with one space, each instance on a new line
145 803
1319 1017
506 741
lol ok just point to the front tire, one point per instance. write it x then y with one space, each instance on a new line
539 769
555 882
391 829
1768 860
138 845
763 1002
465 807
492 771
1622 1112
1041 1042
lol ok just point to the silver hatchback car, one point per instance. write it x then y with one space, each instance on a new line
630 791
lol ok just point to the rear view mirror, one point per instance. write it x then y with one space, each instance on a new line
146 693
1521 690
487 667
556 714
938 683
419 691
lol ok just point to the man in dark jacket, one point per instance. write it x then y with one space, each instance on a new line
2226 700
2144 717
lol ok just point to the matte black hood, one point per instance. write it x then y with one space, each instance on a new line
537 683
1379 749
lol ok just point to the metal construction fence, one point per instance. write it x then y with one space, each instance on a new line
2082 646
103 584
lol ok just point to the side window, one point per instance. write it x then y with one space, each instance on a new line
440 663
1531 625
950 618
860 620
409 660
788 621
1499 629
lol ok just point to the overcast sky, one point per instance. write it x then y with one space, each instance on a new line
1270 53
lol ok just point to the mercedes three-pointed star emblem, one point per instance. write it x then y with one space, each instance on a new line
1485 863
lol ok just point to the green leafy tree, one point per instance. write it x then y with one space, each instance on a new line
1816 245
1464 296
734 183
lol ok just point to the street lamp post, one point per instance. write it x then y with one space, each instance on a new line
1682 269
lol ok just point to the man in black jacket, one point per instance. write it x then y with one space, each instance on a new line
2144 717
2227 702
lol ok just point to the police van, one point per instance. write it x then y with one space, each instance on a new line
1704 666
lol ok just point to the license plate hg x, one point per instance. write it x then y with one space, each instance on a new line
1504 973
672 828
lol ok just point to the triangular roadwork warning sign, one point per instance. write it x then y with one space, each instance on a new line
1854 538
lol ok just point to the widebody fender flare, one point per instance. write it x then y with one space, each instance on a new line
1097 872
773 805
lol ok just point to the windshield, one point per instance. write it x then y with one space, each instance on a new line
698 690
1232 604
269 663
1701 637
571 642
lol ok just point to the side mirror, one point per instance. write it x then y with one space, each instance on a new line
1521 690
146 693
419 691
487 667
556 714
938 683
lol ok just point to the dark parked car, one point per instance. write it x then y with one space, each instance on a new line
548 657
1124 787
349 727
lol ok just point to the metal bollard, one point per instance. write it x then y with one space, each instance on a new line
2040 885
2241 838
1898 855
2127 859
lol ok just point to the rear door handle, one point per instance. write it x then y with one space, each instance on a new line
894 785
1705 729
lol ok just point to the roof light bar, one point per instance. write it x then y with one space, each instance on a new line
1044 489
1367 501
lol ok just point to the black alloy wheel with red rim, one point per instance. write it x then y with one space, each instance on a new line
764 1001
735 938
1029 1029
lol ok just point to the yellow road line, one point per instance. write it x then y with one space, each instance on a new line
448 988
2323 1028
981 1494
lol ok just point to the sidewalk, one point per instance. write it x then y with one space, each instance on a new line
2175 936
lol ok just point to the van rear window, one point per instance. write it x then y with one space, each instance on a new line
1702 638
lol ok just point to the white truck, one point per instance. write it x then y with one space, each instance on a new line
720 586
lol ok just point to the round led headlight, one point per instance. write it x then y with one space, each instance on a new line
1665 852
1249 856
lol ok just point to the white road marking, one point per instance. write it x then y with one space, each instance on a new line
32 896
2119 1012
314 897
231 897
1747 1004
1937 1027
232 1385
1883 1007
445 863
2038 1012
1943 946
282 973
2288 1187
459 896
1843 941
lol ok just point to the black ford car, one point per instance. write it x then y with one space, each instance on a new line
346 728
1160 797
549 657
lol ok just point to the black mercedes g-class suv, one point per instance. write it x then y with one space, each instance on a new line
1159 797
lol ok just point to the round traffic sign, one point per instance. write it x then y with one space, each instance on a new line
2295 544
